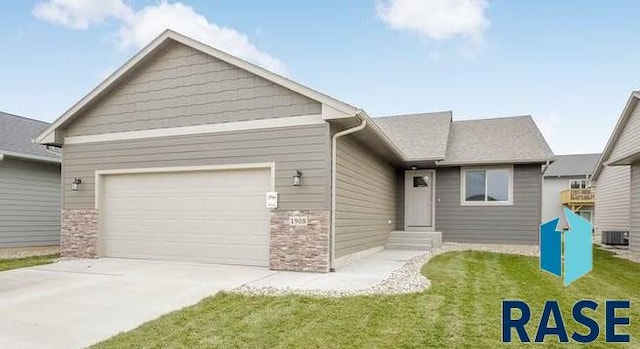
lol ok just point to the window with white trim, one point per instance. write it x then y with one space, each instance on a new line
487 186
578 183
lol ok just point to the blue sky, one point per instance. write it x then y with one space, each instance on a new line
570 64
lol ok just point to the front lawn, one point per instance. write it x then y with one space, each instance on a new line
462 309
15 263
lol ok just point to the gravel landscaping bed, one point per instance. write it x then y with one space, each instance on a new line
623 252
406 279
21 252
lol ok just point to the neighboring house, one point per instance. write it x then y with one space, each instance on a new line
565 184
177 150
30 193
616 177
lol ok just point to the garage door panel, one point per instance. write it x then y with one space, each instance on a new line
214 216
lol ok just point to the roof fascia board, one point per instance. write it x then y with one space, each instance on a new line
30 157
330 113
423 159
169 34
617 130
492 162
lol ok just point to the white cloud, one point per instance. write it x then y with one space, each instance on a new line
138 28
80 14
149 22
437 20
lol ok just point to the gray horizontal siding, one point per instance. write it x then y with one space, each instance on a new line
515 224
613 199
306 148
400 200
366 198
628 143
29 203
182 87
634 238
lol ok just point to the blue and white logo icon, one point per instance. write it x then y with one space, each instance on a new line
566 239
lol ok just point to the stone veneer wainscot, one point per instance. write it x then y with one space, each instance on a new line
300 248
79 233
292 248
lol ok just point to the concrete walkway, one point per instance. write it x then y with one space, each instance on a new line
361 274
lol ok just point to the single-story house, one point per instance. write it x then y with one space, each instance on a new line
188 153
30 193
566 184
616 177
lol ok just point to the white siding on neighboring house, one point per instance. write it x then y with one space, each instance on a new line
634 239
613 199
551 188
551 204
628 143
615 192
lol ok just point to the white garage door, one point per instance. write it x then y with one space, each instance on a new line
203 216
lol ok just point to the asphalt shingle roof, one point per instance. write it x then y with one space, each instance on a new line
572 165
419 136
435 136
17 134
510 139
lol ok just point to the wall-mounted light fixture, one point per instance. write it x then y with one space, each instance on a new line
414 167
76 182
297 177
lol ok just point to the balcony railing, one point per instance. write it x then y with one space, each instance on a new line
581 196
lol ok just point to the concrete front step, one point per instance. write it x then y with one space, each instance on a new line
410 247
411 240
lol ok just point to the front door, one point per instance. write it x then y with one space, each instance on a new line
418 192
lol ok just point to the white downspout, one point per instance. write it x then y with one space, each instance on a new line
334 160
545 167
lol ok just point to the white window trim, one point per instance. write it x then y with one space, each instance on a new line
586 183
463 181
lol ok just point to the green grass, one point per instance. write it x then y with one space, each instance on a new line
15 263
462 309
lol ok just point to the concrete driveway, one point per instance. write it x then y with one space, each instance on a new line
75 303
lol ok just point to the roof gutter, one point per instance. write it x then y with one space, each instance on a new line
37 158
334 160
494 162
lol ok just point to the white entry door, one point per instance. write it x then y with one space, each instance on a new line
199 216
418 191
